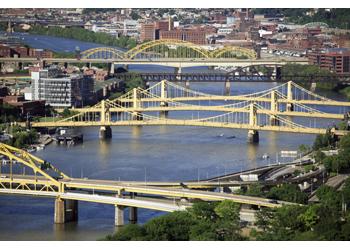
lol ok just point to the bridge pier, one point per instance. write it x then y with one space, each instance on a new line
119 216
187 84
253 136
133 214
105 132
227 87
290 107
178 72
163 114
65 211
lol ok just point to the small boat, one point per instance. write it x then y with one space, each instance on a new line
31 150
221 135
265 156
40 147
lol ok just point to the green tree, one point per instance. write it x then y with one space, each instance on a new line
287 192
128 232
172 226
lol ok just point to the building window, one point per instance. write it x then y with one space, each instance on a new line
334 62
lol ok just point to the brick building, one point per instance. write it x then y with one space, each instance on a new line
5 51
101 75
195 36
336 60
40 53
148 32
26 107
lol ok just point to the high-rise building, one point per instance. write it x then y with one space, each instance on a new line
62 91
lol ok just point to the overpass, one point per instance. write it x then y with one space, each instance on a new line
26 174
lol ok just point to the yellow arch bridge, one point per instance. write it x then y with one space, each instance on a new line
169 48
269 110
22 173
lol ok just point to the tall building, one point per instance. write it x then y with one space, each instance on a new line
62 91
148 32
189 35
335 60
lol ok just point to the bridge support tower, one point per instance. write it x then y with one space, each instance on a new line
105 129
290 106
163 95
65 211
274 108
227 89
136 115
253 135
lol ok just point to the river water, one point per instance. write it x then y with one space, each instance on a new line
144 154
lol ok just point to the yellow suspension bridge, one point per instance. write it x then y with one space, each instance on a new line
268 110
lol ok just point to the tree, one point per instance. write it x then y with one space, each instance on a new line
310 217
128 232
287 192
228 224
203 211
172 226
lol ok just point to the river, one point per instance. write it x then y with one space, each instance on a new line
144 154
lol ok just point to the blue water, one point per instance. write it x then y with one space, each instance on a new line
55 44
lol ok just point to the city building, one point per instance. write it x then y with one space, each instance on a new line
148 32
336 60
29 108
189 35
61 91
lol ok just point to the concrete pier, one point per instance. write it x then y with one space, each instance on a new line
290 107
105 132
119 216
133 214
227 89
253 136
65 211
163 114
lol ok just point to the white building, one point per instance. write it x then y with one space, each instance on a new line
62 91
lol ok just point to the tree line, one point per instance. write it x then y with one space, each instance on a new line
85 35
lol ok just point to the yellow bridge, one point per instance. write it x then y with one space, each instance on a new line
22 173
268 110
